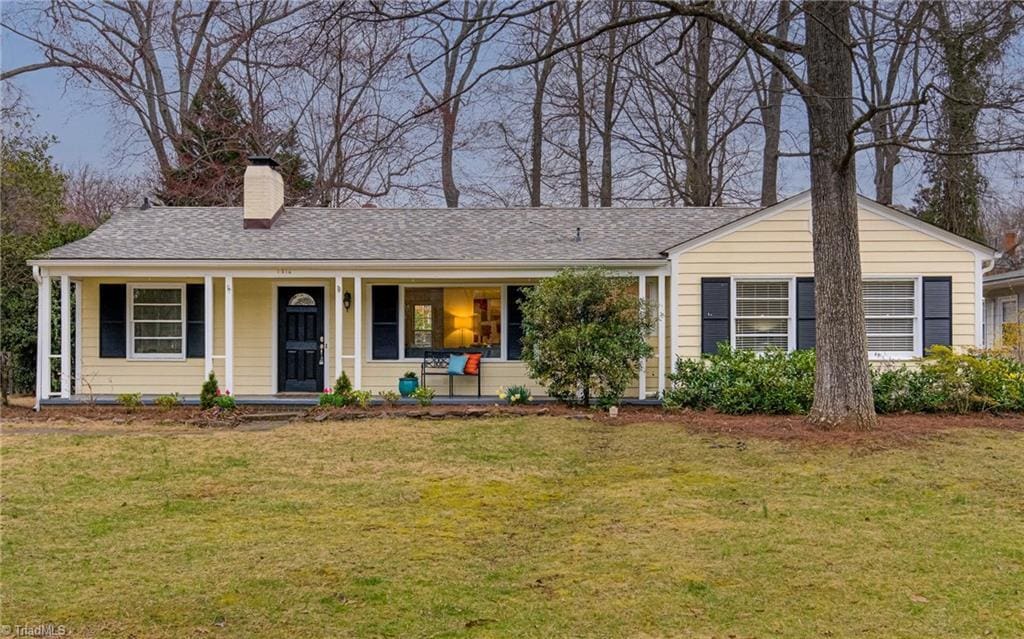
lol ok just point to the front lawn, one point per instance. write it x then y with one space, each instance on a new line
518 527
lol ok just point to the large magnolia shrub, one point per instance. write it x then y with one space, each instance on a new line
740 382
584 335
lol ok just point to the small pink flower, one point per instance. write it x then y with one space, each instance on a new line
327 390
227 392
218 392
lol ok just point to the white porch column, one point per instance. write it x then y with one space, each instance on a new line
43 339
65 336
661 336
357 305
339 325
673 313
229 333
642 294
207 325
78 337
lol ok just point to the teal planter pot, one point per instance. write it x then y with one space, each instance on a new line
406 386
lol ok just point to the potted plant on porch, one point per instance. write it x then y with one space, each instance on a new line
407 383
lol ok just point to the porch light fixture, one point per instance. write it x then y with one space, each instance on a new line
346 300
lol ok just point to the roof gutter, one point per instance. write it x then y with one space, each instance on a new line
345 264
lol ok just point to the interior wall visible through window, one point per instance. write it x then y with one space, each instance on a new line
455 319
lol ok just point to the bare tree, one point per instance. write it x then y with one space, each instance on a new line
457 43
769 86
151 58
350 109
891 64
972 40
91 196
688 110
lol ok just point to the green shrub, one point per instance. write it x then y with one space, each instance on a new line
585 334
167 402
343 395
131 401
424 395
335 400
361 398
225 402
208 393
410 375
515 395
389 397
343 386
740 382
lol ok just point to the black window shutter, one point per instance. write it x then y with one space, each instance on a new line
805 312
113 320
514 325
195 309
384 317
937 307
714 307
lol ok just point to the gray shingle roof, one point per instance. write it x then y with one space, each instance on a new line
326 234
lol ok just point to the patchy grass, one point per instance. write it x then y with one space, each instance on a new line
530 527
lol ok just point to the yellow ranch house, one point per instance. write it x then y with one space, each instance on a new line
277 300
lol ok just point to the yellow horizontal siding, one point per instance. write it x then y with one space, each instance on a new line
781 245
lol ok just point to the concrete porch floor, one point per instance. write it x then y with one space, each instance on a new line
306 399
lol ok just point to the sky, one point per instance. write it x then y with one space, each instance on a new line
83 131
87 133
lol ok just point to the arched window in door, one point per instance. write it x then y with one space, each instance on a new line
302 299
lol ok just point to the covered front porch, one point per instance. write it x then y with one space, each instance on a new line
268 334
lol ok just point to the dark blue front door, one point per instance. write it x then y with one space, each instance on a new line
300 339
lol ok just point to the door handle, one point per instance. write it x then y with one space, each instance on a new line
321 350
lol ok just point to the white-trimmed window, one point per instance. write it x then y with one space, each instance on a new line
763 315
890 317
156 321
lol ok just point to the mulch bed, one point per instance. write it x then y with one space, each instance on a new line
893 430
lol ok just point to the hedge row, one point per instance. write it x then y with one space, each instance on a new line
777 382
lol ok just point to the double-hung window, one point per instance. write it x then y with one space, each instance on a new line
890 317
762 314
156 321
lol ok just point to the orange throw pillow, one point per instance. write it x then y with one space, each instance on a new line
472 364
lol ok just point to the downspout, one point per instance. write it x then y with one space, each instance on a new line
979 311
37 276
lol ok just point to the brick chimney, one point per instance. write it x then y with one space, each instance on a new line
1009 247
263 195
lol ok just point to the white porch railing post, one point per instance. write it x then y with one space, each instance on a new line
357 306
207 325
673 313
78 337
65 336
43 339
339 325
229 333
661 336
641 288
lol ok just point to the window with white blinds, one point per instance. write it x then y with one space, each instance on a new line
890 312
762 314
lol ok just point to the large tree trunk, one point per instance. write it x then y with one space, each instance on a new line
611 80
886 159
771 120
842 385
451 192
608 120
581 128
698 171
